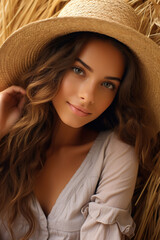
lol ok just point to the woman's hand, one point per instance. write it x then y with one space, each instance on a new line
12 102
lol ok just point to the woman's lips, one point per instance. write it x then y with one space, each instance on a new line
78 110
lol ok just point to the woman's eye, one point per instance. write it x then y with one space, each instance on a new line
109 85
78 70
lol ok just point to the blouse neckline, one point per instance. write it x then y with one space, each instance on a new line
72 182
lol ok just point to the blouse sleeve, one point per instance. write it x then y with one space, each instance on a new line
108 213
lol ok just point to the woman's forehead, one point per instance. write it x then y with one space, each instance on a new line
103 56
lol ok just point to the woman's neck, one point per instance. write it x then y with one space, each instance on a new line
64 135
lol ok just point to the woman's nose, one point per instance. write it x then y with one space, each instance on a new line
87 91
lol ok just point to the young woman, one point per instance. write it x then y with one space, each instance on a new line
74 125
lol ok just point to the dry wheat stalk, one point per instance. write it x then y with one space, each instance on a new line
149 13
16 13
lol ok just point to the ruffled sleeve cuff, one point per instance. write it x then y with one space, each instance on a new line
106 215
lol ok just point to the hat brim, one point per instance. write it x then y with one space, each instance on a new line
20 50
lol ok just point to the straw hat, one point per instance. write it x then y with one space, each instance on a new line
114 18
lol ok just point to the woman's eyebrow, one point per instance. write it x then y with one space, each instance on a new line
91 70
84 64
113 78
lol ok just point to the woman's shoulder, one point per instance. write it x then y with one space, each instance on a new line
112 140
114 148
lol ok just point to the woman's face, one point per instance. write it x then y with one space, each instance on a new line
90 85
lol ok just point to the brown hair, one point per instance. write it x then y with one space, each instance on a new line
30 137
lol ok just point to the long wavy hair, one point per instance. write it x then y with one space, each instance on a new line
23 149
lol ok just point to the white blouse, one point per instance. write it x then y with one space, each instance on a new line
95 204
